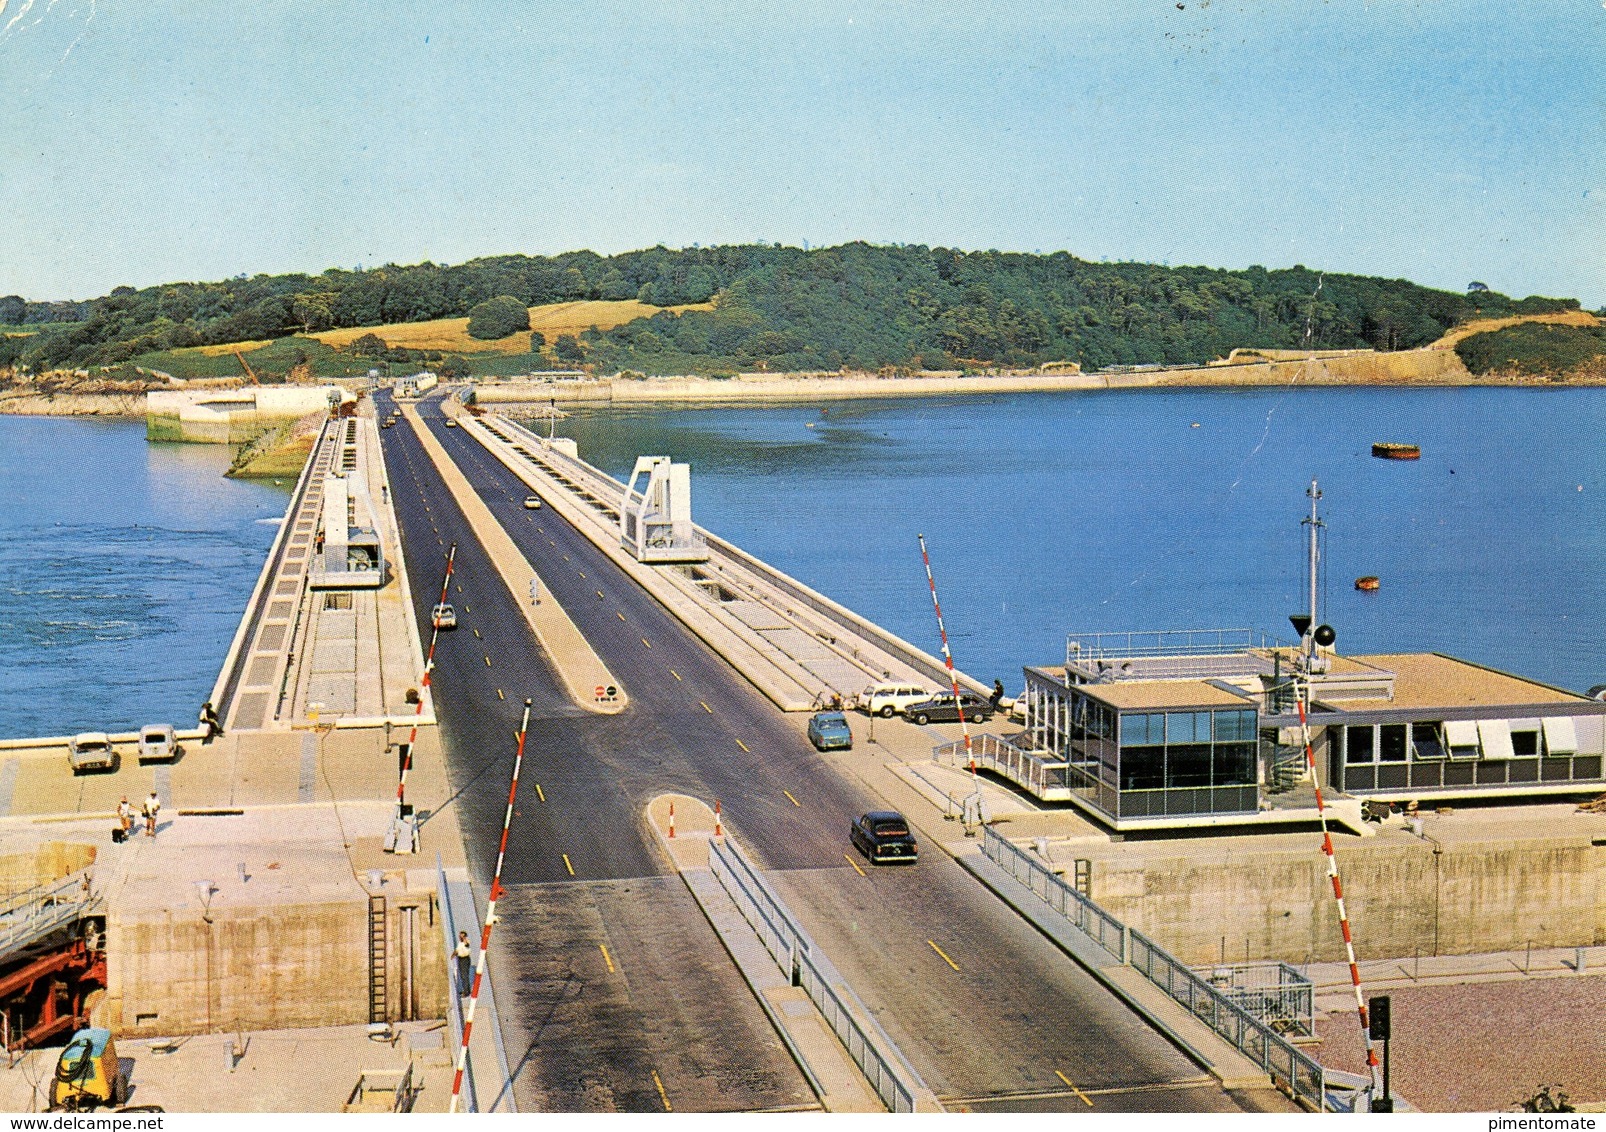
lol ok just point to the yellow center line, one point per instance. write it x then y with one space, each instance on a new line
606 958
582 573
487 662
477 635
675 674
539 793
599 593
466 609
706 708
621 615
788 793
499 694
570 867
460 587
646 642
943 953
663 1096
1073 1088
565 557
854 863
742 745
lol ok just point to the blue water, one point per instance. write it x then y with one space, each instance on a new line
1054 514
124 568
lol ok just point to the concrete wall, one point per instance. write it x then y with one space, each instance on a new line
1402 897
231 416
50 861
277 966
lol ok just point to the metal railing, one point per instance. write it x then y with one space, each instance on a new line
1282 1061
29 916
1164 642
1043 776
877 1057
1274 992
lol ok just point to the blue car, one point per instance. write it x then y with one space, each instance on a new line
828 731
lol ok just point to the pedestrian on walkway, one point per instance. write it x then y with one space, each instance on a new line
998 695
125 816
210 721
465 964
152 807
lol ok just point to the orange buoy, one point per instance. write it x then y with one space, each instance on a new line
1367 583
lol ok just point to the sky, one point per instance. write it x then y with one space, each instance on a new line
1441 141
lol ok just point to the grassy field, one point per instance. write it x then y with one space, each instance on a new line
1488 325
270 357
553 320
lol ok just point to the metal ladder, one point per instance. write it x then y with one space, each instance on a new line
377 957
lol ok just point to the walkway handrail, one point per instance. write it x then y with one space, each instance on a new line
873 1051
1282 1060
28 916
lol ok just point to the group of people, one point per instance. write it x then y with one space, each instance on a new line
151 808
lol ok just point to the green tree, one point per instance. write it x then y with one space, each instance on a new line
567 348
537 341
497 318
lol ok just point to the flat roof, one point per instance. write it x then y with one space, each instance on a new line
1424 681
1159 695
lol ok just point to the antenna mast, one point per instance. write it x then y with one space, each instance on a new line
1313 663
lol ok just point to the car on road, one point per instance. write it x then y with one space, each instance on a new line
942 708
443 616
157 743
883 835
887 700
388 424
450 423
91 750
829 731
532 502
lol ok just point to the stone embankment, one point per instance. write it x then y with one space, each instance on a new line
280 452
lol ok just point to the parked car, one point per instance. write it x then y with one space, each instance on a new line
942 708
829 731
157 743
532 502
91 750
443 616
450 423
388 424
883 835
887 700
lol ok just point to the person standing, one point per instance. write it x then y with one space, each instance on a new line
152 807
997 697
125 816
465 964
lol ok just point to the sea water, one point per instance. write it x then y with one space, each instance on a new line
1052 515
124 569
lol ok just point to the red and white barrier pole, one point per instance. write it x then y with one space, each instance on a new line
429 666
718 831
490 913
953 678
1338 892
671 821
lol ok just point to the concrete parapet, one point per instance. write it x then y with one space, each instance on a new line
230 416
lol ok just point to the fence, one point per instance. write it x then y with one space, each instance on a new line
1302 1075
1043 777
29 916
888 1073
1275 993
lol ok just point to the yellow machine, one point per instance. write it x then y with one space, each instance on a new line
87 1075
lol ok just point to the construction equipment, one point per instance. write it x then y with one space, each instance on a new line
87 1075
245 365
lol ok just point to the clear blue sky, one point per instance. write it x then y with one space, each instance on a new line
1441 141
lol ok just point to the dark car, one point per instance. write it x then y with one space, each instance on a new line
942 709
883 835
828 731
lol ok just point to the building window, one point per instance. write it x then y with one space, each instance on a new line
1391 747
1426 741
1524 744
1358 744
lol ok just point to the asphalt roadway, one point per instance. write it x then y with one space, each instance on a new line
615 993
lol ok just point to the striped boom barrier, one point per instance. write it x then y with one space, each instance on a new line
1338 890
429 666
948 657
490 913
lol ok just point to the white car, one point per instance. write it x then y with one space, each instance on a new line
91 750
157 743
532 503
887 700
443 616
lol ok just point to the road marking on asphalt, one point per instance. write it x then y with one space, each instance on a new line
854 863
539 793
599 593
582 573
943 953
1073 1088
570 867
706 708
621 615
788 793
459 587
663 1096
675 674
743 746
606 958
477 635
487 662
467 609
565 557
499 694
646 642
